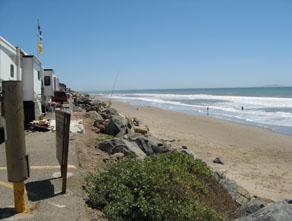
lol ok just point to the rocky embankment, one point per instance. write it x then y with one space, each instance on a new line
131 137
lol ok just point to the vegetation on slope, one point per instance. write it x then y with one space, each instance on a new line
170 186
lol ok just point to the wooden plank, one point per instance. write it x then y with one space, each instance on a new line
62 143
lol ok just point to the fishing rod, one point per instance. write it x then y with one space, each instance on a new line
113 88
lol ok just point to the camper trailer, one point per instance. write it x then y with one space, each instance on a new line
15 64
56 83
10 66
10 69
32 87
48 85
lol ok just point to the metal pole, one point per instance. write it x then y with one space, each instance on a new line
17 161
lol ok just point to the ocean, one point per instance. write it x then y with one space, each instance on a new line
268 107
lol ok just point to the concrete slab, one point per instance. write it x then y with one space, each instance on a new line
44 187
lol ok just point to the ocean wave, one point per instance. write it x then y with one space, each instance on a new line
226 107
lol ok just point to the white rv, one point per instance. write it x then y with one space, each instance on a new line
10 67
15 64
56 83
48 84
32 87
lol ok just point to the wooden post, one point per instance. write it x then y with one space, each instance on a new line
17 161
62 143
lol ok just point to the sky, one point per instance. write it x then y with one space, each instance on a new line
150 44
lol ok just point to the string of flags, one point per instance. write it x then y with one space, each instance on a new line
40 39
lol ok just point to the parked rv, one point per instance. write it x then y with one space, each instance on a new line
32 87
56 83
10 67
48 85
16 64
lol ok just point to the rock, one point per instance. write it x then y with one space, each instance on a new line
218 160
82 100
141 129
77 109
118 126
103 104
117 156
95 102
136 122
118 145
106 158
279 211
186 150
240 195
101 127
252 206
97 122
109 112
94 115
150 144
134 148
96 130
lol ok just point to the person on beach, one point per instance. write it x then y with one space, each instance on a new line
207 110
242 108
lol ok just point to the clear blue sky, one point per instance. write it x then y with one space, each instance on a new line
157 43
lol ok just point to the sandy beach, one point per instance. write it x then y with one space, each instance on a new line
257 159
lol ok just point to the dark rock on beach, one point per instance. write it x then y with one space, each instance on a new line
149 144
218 160
252 206
118 126
240 195
109 112
279 211
94 115
186 150
118 145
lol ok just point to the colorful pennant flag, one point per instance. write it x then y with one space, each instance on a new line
40 39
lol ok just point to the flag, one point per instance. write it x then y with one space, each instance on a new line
40 39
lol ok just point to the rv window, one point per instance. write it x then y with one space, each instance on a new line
39 75
11 70
47 80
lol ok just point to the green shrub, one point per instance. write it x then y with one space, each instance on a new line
167 186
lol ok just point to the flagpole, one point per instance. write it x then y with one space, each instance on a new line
38 38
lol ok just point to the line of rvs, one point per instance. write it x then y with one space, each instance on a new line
38 84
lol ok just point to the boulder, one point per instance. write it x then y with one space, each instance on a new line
96 102
252 206
82 100
117 156
141 129
77 109
94 115
117 126
186 150
218 160
134 148
150 144
279 211
109 112
240 195
118 145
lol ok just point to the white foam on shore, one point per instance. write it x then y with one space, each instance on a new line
256 109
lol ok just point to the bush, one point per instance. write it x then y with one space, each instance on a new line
170 186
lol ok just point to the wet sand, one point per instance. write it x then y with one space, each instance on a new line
257 159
